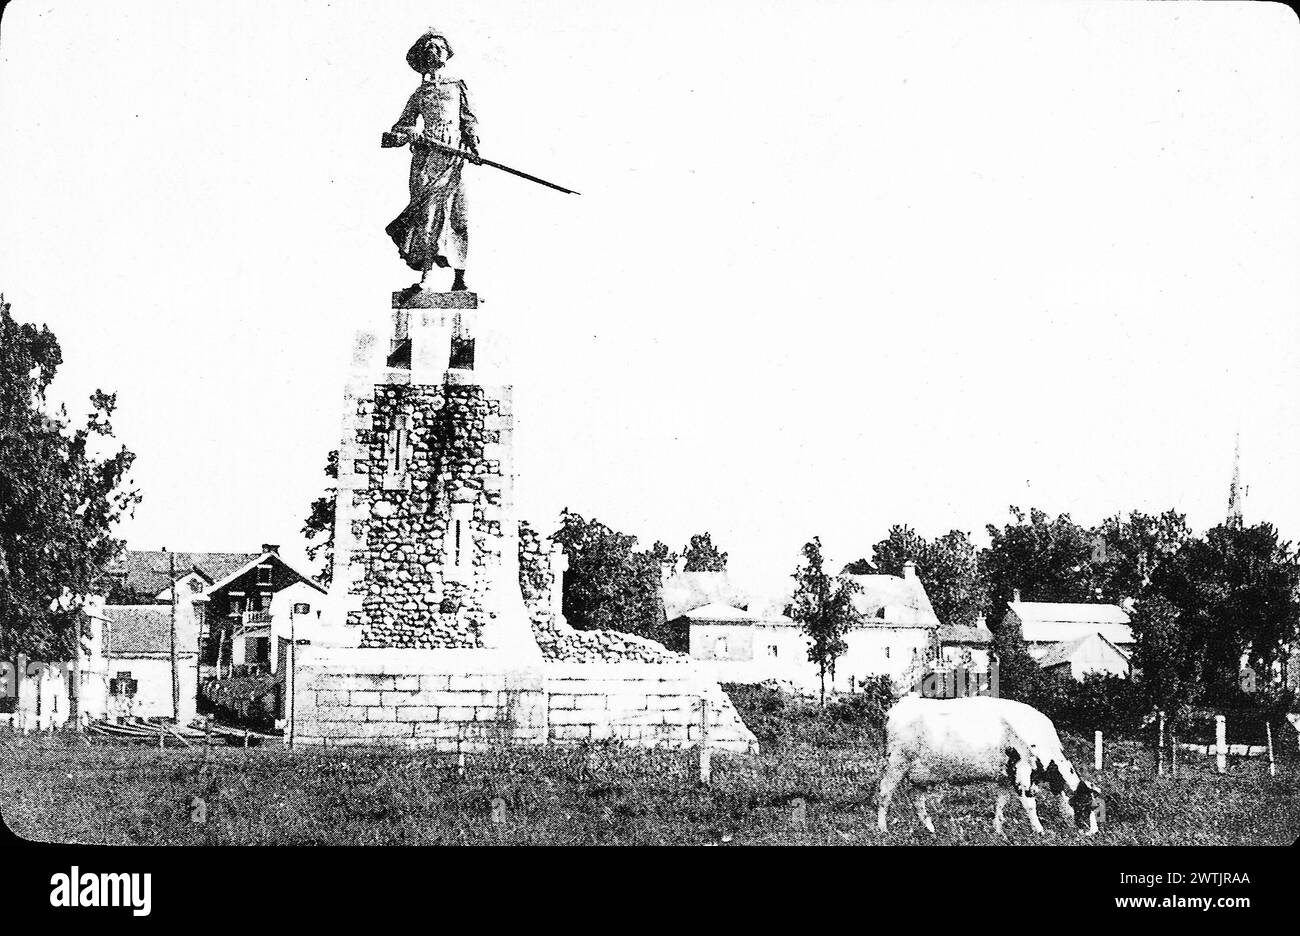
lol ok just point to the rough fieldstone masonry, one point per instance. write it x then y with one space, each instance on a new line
454 636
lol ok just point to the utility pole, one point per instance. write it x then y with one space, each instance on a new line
176 678
293 658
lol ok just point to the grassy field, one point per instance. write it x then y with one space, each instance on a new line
60 788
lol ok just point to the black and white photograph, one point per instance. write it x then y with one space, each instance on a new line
720 423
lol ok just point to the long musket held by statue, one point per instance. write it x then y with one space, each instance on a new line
396 139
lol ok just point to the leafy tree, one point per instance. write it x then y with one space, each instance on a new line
609 584
58 500
319 525
1168 659
667 559
1046 559
702 556
1236 593
823 607
902 545
1126 552
1018 674
948 567
861 566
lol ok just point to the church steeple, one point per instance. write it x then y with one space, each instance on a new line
1236 493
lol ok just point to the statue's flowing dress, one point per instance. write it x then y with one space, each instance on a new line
433 229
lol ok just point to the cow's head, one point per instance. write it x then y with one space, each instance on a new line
1086 804
1085 801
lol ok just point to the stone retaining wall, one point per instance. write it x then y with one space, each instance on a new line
467 700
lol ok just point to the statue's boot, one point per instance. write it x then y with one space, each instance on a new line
458 284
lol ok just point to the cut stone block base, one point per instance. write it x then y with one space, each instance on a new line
469 700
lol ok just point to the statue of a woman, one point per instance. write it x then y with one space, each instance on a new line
432 231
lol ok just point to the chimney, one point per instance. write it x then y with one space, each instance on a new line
271 548
909 570
1015 594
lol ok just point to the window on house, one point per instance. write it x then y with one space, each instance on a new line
886 653
720 647
264 575
771 650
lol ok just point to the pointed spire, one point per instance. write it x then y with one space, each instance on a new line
1236 493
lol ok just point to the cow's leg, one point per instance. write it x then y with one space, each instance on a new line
1067 811
893 774
1025 790
921 811
1003 796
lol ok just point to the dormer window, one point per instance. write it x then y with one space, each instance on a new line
264 575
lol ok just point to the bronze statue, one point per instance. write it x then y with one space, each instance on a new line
433 230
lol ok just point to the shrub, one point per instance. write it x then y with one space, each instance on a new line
778 717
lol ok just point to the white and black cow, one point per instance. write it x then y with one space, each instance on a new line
960 741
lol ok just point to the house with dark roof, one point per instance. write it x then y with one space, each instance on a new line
231 610
145 576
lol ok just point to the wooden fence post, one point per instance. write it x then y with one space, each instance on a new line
1220 743
1268 736
1096 751
705 766
1160 746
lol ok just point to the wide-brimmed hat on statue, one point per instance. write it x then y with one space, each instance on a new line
430 50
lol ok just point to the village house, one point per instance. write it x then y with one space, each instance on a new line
131 657
230 610
242 602
1074 637
749 639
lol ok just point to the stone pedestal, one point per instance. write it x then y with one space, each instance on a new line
453 636
426 547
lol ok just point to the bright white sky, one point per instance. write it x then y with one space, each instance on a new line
835 265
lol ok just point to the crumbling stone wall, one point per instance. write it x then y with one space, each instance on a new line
540 582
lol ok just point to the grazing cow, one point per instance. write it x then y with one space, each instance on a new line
982 738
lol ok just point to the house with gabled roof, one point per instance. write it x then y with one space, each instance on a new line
1060 633
241 602
750 638
1091 653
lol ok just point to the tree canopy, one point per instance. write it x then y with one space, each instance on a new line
609 583
701 555
59 498
319 525
948 568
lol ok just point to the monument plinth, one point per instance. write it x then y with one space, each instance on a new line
426 544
